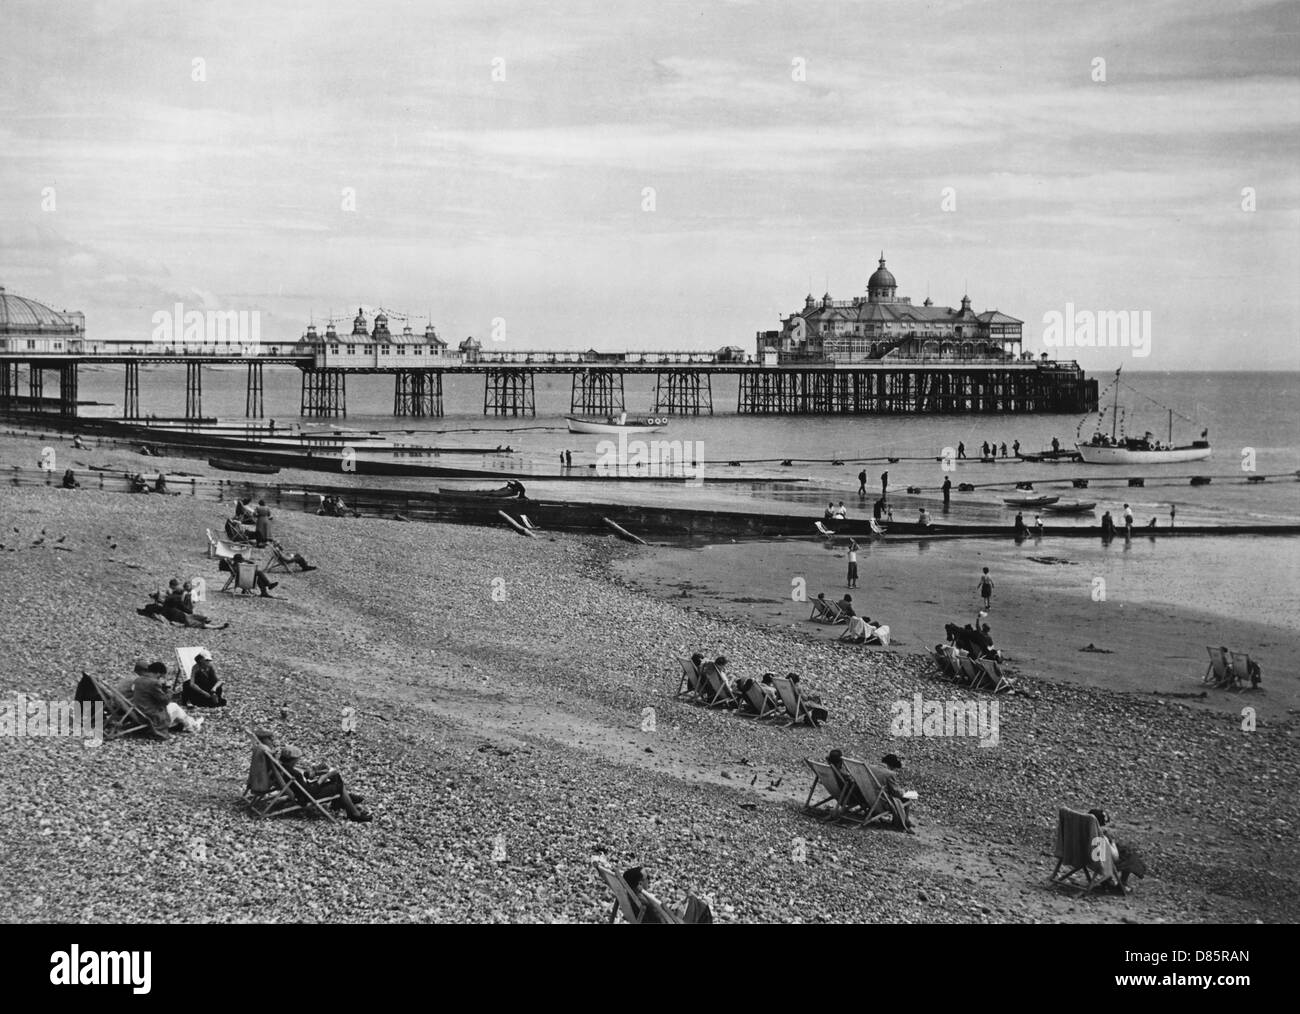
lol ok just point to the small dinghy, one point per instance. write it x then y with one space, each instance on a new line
1030 501
1070 508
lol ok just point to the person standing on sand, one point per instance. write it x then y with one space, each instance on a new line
853 563
961 450
1038 525
263 515
1015 448
884 486
1128 521
862 483
947 493
568 459
986 587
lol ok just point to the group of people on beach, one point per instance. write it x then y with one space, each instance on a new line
990 449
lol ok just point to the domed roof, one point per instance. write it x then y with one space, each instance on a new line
19 311
881 278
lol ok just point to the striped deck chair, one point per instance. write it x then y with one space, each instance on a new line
121 717
795 708
715 692
243 576
876 527
823 530
835 805
185 659
754 701
268 792
528 524
690 681
1082 847
874 801
991 675
826 611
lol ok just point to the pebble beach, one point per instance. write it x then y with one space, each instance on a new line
490 695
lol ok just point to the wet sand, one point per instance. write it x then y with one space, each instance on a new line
1157 617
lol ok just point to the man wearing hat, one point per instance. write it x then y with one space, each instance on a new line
320 782
203 689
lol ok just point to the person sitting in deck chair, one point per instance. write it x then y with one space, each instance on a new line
259 578
152 697
719 667
70 480
137 484
855 632
236 532
1126 856
696 910
243 513
812 701
320 782
297 559
846 605
203 689
887 776
160 483
836 760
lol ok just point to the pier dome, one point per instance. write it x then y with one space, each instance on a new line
881 284
20 314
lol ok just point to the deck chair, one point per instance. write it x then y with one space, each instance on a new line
268 791
1078 837
826 611
966 670
223 549
991 677
945 655
278 560
528 524
666 915
1218 673
876 802
714 690
121 717
876 527
243 576
690 681
624 900
185 659
759 704
880 635
795 709
823 530
1240 668
835 787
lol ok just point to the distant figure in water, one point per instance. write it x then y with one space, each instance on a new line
947 491
1172 512
878 510
1107 526
1021 530
1038 525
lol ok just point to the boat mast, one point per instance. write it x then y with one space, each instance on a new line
1171 427
1114 414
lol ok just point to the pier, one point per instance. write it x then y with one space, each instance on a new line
683 382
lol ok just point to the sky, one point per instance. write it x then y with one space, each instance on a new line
640 175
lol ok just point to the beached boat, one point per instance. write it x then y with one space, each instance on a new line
229 465
511 491
1117 449
1075 507
1049 457
1030 501
619 424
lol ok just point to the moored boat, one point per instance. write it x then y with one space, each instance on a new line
619 424
1118 449
510 491
1030 501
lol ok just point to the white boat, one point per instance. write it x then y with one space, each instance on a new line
1100 454
1118 449
614 425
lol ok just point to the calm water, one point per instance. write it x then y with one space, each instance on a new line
1241 410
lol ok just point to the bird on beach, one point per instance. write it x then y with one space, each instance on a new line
60 538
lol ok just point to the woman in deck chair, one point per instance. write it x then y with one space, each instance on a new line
297 559
320 782
811 701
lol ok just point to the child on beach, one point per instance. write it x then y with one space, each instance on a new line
853 563
986 587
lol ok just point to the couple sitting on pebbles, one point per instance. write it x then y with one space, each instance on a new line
177 606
